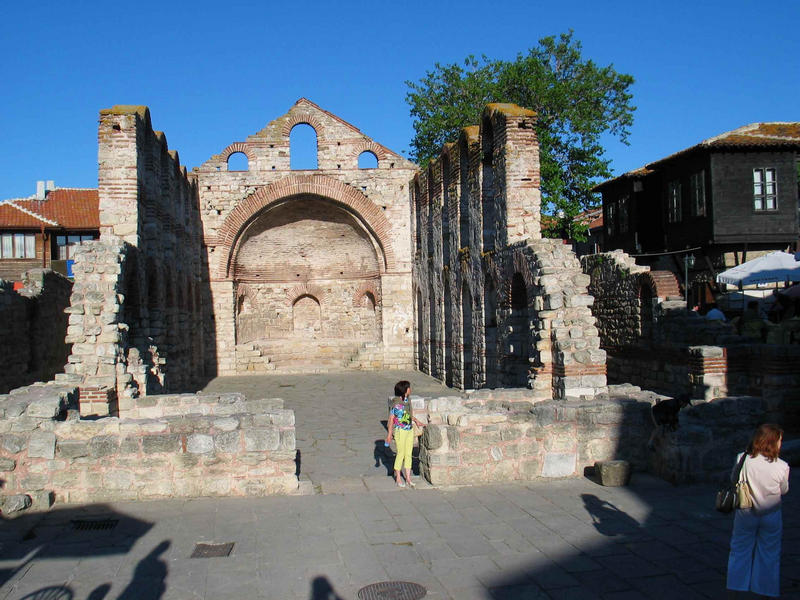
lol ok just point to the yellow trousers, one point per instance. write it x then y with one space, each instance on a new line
404 439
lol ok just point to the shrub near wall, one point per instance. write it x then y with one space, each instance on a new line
178 446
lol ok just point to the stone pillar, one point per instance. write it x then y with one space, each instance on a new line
398 320
121 130
223 302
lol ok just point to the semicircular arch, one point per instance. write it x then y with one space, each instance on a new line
369 215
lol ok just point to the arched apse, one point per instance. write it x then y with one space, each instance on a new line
314 243
368 216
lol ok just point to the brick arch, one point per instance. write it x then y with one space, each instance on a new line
363 290
303 289
297 185
370 146
245 291
237 147
300 118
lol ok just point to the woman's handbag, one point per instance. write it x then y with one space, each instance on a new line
744 493
728 494
416 429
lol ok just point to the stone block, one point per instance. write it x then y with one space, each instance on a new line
199 443
118 480
42 444
288 441
169 442
227 442
72 448
103 445
16 503
260 439
42 500
7 464
432 437
226 423
45 408
613 473
559 464
283 418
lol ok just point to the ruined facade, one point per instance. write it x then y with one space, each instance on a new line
308 269
497 305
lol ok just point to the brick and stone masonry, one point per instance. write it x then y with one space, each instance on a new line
496 305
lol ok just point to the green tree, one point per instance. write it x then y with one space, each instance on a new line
576 100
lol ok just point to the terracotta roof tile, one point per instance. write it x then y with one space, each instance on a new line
64 208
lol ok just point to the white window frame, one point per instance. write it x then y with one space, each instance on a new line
765 189
17 245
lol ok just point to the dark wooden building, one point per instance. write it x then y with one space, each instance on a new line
730 195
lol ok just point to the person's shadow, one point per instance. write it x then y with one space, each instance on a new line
383 455
607 518
321 589
149 577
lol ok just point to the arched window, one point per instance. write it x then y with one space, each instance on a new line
238 162
466 337
306 316
303 147
367 160
490 330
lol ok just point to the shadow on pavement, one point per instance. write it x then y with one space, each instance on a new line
321 589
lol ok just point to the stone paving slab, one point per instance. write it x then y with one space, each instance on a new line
497 542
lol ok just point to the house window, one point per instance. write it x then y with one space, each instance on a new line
623 213
698 193
66 244
17 245
611 209
765 189
674 201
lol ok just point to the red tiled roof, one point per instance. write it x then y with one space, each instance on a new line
63 208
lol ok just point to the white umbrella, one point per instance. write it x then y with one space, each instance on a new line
775 266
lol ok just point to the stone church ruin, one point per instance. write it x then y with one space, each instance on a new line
244 265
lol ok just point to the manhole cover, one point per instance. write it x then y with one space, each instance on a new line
212 550
94 525
392 590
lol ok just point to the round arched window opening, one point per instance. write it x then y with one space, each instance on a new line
237 161
367 160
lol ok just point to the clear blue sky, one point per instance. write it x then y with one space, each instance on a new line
214 72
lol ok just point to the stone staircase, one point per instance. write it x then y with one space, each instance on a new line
667 285
250 359
368 357
315 356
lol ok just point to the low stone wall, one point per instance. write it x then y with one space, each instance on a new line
707 440
170 446
33 327
501 436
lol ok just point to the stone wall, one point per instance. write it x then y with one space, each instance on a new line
329 244
500 436
137 308
653 341
495 304
34 326
171 446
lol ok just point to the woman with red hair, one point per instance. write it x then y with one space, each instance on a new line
754 561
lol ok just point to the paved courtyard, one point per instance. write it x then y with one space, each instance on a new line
565 539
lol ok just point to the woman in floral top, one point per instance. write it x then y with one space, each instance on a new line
400 419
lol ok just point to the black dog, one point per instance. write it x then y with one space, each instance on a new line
665 416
